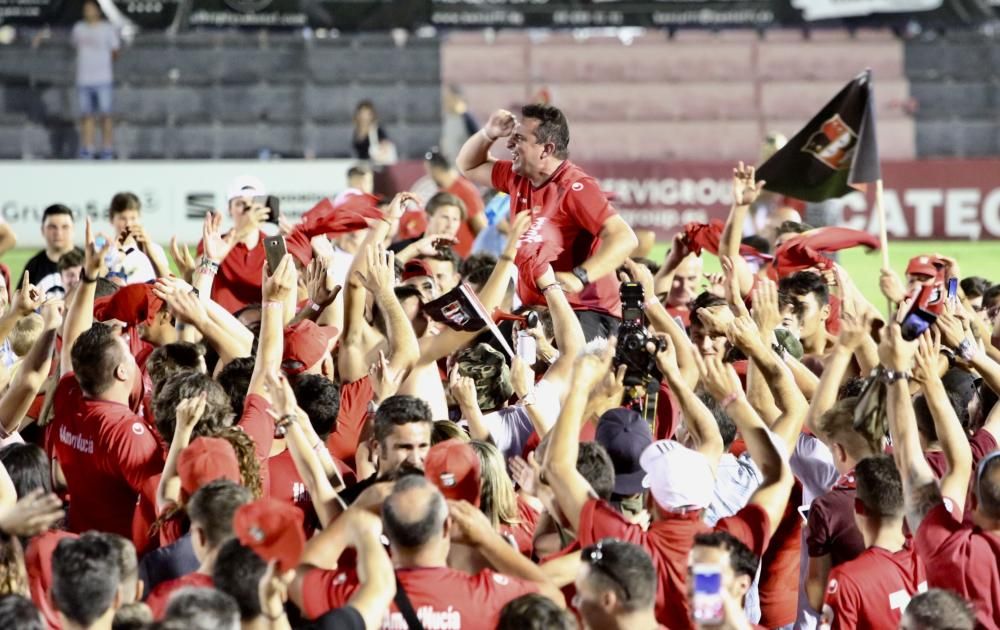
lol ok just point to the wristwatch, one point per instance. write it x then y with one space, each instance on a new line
581 275
891 376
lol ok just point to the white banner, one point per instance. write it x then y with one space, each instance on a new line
827 9
175 195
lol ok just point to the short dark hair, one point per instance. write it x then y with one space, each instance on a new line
436 159
28 466
787 301
534 612
991 293
95 355
132 616
447 255
552 127
741 559
792 227
319 397
758 242
85 578
925 419
104 287
124 201
442 199
803 283
595 465
852 387
171 358
705 300
477 261
234 378
879 486
203 609
413 533
55 210
974 286
621 566
988 486
938 609
218 412
358 170
727 428
396 411
237 572
123 553
17 611
72 258
212 507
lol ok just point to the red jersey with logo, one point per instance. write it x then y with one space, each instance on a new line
354 399
872 591
106 453
157 600
669 542
963 558
443 598
238 281
572 202
469 194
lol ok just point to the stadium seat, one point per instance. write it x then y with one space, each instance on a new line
802 99
414 140
256 102
485 98
328 140
194 141
327 103
139 142
482 63
940 99
829 61
10 141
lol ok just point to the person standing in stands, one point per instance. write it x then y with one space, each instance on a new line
97 45
43 267
541 180
448 180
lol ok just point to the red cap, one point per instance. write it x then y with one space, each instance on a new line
412 224
416 268
926 265
204 460
133 304
273 529
305 344
454 468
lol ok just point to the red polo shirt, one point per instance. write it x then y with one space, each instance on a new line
238 281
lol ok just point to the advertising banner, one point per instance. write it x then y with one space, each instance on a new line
175 195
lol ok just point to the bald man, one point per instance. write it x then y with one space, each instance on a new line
684 288
420 525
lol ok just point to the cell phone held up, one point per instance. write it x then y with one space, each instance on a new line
275 250
273 206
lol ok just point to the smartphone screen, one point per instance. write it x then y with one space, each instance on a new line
707 599
274 248
274 209
916 323
527 348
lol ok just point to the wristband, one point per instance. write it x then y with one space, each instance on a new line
968 349
483 130
207 262
554 285
313 306
891 376
272 304
84 278
728 400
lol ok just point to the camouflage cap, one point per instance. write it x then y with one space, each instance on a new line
789 342
488 369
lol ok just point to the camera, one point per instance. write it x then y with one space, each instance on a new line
636 348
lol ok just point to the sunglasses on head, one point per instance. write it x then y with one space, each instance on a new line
595 557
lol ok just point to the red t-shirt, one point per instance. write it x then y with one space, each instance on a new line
287 486
669 542
38 561
779 573
354 399
524 532
441 597
872 591
571 201
682 313
238 281
469 194
982 443
962 558
157 600
106 454
259 425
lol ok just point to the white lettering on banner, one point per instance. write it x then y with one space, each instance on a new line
991 212
175 195
961 213
430 619
924 201
76 442
669 191
966 213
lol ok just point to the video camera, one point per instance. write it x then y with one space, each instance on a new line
634 340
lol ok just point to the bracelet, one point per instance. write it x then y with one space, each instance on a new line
728 400
891 376
483 130
207 271
554 285
313 306
84 278
968 349
272 304
207 262
506 257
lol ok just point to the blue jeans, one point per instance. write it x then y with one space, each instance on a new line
94 99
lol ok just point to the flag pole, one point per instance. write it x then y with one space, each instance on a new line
882 235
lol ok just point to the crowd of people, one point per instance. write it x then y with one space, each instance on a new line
321 439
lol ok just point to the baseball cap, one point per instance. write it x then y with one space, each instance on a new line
678 476
455 469
305 345
924 264
132 304
625 435
204 460
412 224
273 530
416 268
245 186
488 368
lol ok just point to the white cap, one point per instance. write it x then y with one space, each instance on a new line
677 476
245 186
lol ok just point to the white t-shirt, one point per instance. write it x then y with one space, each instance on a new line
511 427
94 45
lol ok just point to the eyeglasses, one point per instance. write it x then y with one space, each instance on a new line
595 556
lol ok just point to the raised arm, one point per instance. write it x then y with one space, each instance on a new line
745 192
571 490
189 412
33 371
271 344
618 241
474 159
375 571
722 383
189 310
950 434
26 300
853 331
919 484
954 336
80 312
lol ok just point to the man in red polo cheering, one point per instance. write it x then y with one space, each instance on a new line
569 210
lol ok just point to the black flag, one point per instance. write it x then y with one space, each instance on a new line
460 309
834 154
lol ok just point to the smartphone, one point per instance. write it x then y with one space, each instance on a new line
953 290
274 248
707 600
527 347
273 206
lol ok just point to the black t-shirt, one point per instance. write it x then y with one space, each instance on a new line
44 274
362 146
351 494
346 618
167 563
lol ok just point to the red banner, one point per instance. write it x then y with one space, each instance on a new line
924 199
